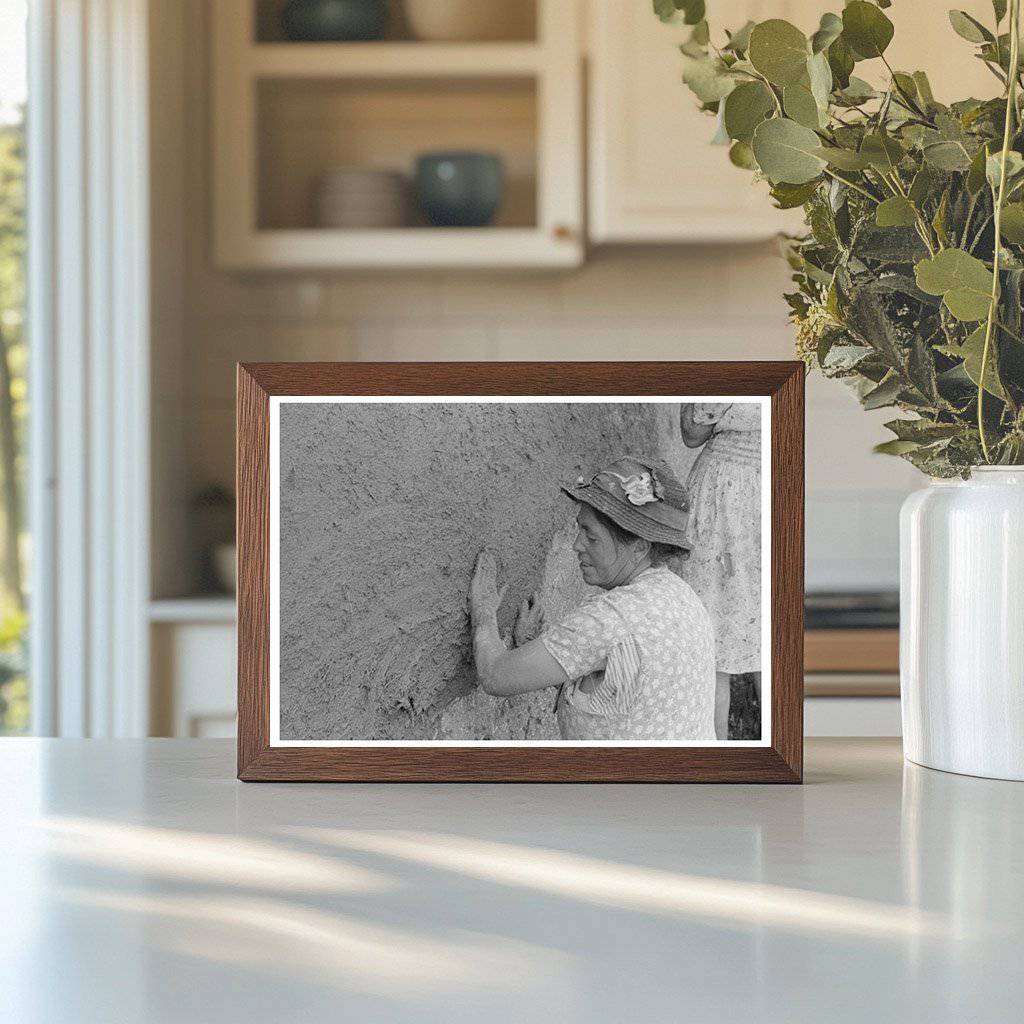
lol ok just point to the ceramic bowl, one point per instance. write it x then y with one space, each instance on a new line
360 197
470 20
460 189
333 21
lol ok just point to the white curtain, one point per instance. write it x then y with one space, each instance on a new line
88 336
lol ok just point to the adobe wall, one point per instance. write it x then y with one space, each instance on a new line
382 516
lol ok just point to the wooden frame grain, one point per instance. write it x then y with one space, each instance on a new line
782 761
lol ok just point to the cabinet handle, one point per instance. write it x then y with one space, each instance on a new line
562 232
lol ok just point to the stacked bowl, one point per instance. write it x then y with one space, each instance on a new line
362 197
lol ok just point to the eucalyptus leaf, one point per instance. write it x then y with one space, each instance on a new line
993 167
701 34
779 51
741 155
829 30
969 28
857 91
883 152
867 319
889 246
922 185
844 159
976 174
708 80
924 88
843 358
997 53
895 447
921 370
883 395
841 62
819 75
788 196
971 351
739 41
786 151
923 431
963 281
895 212
745 108
947 156
1012 223
866 29
939 220
906 84
666 10
906 285
693 10
689 12
800 105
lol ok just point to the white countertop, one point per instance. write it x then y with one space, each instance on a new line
140 882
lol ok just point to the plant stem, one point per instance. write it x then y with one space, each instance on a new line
896 186
980 232
1011 107
853 185
771 91
907 99
970 215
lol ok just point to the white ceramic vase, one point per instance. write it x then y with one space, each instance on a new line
962 624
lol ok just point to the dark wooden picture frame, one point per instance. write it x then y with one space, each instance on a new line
779 761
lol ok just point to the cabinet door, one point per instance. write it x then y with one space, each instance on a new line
653 174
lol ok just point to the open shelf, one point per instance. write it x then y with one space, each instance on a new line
406 248
387 60
286 114
309 127
520 22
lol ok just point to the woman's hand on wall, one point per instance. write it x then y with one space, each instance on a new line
501 672
484 596
529 621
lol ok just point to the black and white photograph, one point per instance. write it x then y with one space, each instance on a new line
516 570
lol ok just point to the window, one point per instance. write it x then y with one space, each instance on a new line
14 692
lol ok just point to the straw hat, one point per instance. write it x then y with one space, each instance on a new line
641 496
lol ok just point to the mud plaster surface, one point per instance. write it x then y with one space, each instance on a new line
383 511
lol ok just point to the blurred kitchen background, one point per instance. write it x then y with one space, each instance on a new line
292 218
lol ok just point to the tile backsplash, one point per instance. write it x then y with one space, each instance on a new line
708 303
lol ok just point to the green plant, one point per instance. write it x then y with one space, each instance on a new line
901 289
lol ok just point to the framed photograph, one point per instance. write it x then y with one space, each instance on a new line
562 572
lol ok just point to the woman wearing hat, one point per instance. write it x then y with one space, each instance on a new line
634 662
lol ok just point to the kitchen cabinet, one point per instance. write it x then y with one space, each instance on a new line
287 114
192 647
654 177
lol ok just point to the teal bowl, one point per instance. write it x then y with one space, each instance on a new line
334 21
460 189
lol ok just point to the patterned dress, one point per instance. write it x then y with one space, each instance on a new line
645 653
724 566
